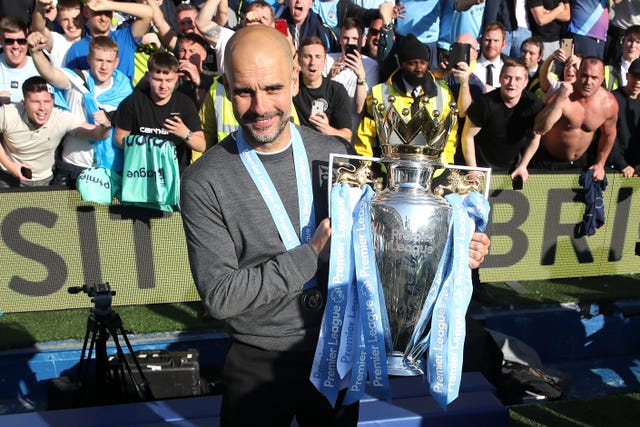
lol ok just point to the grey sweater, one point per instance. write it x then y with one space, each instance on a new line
240 266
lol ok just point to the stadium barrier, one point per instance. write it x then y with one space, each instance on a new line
52 240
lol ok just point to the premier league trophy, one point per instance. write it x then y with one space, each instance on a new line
380 321
409 224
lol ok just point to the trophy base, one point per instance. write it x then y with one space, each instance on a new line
400 366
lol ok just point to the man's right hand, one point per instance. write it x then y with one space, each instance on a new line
36 41
15 169
321 236
566 89
44 5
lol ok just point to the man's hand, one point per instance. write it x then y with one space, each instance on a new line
101 118
15 169
628 171
176 126
354 61
321 236
566 89
478 249
36 41
189 71
320 121
522 172
461 71
151 39
598 172
98 5
44 5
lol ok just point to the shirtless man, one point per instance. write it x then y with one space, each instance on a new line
568 122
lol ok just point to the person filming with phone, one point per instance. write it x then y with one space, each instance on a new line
354 70
160 111
321 103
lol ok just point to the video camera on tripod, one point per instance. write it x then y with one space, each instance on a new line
103 322
101 295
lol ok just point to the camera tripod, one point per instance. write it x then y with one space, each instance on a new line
103 322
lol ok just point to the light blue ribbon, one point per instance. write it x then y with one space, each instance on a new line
267 190
324 372
370 299
448 327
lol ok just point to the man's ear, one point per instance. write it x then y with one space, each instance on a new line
295 80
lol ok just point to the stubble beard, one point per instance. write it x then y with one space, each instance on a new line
261 138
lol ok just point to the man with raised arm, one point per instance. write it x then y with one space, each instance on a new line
98 14
570 119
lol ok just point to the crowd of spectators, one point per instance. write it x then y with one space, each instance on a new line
543 84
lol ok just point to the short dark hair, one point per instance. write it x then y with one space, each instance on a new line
185 6
591 60
534 41
69 4
633 30
350 23
162 62
194 38
35 84
308 41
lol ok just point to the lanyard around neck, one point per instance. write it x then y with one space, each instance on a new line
270 195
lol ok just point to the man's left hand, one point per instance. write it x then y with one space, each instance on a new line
176 126
478 249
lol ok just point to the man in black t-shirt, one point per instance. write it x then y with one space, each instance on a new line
157 110
625 154
498 132
548 21
321 103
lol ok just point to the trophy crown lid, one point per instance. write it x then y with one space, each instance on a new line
423 134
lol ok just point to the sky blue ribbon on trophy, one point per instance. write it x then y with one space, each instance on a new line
324 372
267 190
453 280
372 349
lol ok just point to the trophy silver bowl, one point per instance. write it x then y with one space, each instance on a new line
410 228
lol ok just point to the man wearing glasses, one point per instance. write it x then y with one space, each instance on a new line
15 65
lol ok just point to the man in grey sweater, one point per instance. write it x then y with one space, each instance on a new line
246 268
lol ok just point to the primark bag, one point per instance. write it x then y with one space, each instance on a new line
99 185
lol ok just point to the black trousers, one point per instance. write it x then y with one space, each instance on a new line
266 388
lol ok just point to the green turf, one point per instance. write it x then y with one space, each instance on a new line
578 289
617 410
23 329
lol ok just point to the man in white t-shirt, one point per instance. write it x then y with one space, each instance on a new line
15 65
216 35
70 19
98 90
32 131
